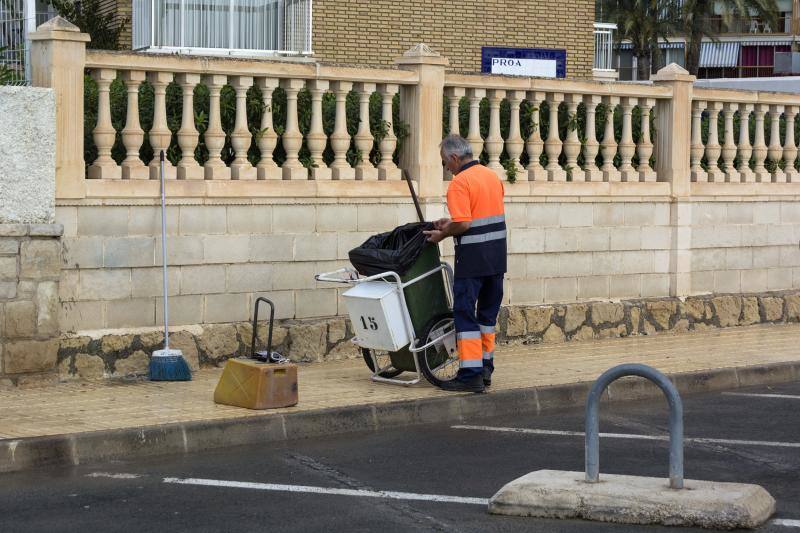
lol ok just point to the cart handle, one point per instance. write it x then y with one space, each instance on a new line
255 327
330 277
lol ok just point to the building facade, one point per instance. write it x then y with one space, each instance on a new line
745 47
357 32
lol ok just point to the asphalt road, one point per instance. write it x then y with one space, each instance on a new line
470 463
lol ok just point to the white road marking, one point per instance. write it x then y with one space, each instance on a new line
391 495
113 475
325 490
754 395
699 440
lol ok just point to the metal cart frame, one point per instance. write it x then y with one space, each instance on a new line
353 278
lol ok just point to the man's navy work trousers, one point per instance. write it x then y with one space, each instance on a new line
476 302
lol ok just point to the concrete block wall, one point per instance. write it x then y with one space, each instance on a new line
563 251
745 246
221 258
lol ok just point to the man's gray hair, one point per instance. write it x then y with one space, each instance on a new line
456 145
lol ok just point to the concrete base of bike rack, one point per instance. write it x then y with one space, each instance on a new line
634 500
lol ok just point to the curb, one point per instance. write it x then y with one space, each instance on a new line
190 437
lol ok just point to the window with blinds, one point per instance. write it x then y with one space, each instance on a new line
234 27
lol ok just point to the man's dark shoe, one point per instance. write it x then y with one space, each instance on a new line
487 377
471 384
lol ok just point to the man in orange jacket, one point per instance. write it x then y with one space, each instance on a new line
477 223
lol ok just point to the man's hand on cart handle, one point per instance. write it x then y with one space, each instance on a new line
444 227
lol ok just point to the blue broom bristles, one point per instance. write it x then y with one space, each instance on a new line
169 368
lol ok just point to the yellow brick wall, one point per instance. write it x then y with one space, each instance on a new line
374 32
124 14
377 31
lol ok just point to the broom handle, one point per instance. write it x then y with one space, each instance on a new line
164 253
413 196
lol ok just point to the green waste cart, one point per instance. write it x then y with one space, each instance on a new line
404 323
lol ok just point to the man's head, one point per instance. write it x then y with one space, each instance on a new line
456 152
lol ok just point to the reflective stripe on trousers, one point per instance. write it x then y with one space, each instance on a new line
470 349
487 341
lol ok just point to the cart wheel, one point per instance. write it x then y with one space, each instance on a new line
383 361
439 363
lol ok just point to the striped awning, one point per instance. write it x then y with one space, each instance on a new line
663 46
773 42
719 55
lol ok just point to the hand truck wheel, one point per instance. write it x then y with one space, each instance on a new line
438 363
383 361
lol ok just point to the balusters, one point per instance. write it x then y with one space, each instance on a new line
132 134
316 138
215 168
160 135
728 145
608 147
241 169
363 138
474 135
552 145
454 96
572 144
713 149
745 149
267 136
645 148
696 149
104 134
340 140
724 157
534 143
760 149
514 143
494 140
591 147
188 168
626 147
387 169
775 150
293 169
789 148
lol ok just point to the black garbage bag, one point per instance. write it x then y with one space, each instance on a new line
396 250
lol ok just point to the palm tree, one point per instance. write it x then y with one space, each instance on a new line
696 13
643 23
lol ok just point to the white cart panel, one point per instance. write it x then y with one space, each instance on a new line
377 315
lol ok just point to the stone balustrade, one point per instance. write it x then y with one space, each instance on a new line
589 150
337 128
242 77
723 149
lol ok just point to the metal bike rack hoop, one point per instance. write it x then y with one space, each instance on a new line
675 420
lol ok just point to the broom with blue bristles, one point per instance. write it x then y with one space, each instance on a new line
166 364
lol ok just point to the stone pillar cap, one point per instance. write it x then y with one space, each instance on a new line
421 54
673 72
59 29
